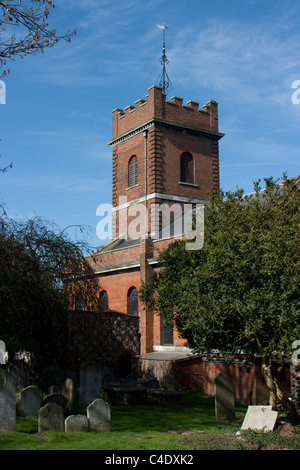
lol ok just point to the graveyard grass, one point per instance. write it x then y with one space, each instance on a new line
149 427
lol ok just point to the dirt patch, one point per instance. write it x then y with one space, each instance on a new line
219 441
286 430
285 437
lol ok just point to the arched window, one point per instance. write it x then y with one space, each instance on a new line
186 168
167 333
133 301
132 171
104 300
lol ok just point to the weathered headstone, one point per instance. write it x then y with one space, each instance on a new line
30 401
76 423
224 397
98 413
260 417
68 392
58 399
8 381
3 353
90 382
51 418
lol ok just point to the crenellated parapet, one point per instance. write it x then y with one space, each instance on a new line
156 106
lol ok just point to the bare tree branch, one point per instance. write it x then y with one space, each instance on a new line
32 36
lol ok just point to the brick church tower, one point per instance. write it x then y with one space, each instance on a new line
164 153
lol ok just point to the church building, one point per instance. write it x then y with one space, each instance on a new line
165 157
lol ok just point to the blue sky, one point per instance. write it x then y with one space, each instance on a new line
57 118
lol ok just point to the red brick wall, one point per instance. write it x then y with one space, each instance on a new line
117 286
249 385
174 128
122 154
164 145
118 282
166 175
174 110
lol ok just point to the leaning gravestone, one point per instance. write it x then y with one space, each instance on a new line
98 413
260 417
76 423
8 381
30 401
224 397
51 418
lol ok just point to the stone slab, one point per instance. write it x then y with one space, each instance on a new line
30 401
76 423
58 399
7 400
51 418
260 417
98 413
224 397
90 382
68 391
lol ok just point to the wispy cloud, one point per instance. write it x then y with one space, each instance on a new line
251 63
54 182
79 143
104 46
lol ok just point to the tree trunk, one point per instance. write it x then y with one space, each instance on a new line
276 393
288 403
267 374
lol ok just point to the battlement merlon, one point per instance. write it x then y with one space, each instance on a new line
157 106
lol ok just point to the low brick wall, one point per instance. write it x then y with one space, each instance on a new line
199 373
101 337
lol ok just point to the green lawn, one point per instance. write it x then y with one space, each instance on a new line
138 427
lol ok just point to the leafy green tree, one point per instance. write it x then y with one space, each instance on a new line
42 275
239 294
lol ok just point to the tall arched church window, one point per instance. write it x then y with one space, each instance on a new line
186 168
167 333
104 301
133 301
132 171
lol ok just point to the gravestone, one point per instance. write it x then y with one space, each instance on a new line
30 400
58 399
8 381
68 392
76 423
51 418
3 353
224 397
98 413
90 382
260 417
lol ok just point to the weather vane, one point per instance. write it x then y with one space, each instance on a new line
164 80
